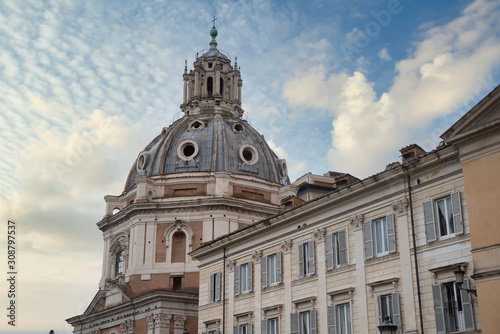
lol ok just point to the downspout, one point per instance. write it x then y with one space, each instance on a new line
415 257
224 292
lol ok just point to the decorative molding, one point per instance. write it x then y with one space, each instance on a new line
399 207
130 326
124 327
319 234
286 246
230 264
357 221
179 321
349 291
162 319
256 255
151 321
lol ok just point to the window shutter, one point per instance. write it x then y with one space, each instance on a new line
313 321
430 225
438 309
343 248
379 305
311 258
456 206
235 329
329 251
236 280
263 269
391 233
396 312
249 281
203 332
278 267
367 231
217 331
301 260
212 284
263 326
467 307
331 320
249 328
294 323
217 286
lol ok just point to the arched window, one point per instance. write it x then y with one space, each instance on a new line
221 87
179 247
210 86
119 262
118 254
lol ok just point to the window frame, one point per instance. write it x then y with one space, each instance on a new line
295 322
245 328
306 268
395 309
119 262
369 236
266 325
214 287
431 219
334 322
238 281
267 271
336 255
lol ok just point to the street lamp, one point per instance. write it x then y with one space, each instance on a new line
459 278
387 327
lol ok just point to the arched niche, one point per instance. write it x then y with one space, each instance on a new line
178 227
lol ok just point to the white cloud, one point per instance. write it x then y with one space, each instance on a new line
445 68
384 54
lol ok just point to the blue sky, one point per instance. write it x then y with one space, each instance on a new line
333 85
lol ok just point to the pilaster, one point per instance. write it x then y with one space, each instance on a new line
256 256
286 248
319 236
357 224
162 323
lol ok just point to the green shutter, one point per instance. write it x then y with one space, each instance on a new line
311 258
313 321
217 286
438 309
456 206
329 251
212 285
301 260
331 320
294 323
236 280
263 326
391 233
430 225
467 306
278 267
263 269
367 231
343 248
396 312
249 279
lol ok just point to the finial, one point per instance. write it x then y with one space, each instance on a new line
236 62
213 33
185 65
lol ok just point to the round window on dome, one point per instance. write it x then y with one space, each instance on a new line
142 159
238 128
249 154
187 150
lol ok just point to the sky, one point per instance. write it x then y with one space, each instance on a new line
85 85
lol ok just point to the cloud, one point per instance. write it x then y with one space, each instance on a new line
369 129
384 54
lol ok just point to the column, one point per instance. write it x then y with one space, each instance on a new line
162 323
359 244
217 80
256 256
286 248
179 321
230 296
319 236
197 84
184 98
151 323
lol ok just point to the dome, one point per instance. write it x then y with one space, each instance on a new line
209 143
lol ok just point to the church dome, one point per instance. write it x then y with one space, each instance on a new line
209 143
211 136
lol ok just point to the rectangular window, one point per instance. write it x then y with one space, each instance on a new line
388 305
270 326
243 329
214 290
271 269
452 307
177 283
443 217
339 319
306 259
119 263
243 278
336 250
379 235
303 322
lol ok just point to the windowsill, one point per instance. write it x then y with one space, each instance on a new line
306 279
274 287
338 270
442 242
383 258
244 295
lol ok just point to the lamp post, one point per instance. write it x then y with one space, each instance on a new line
387 327
459 278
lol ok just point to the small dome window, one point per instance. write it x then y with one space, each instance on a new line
196 125
238 128
249 154
187 150
142 159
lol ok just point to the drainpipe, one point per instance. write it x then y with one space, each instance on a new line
415 257
224 292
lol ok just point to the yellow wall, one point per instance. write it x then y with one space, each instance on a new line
487 297
482 186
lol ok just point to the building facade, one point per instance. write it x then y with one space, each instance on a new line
388 245
206 175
